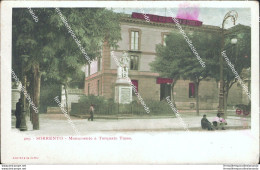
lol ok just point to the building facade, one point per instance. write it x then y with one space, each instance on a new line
139 40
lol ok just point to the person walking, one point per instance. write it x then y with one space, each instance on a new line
18 113
91 111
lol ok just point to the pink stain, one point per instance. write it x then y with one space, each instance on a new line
188 11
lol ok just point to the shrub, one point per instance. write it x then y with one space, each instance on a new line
159 107
107 106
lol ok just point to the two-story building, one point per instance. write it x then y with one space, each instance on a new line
139 40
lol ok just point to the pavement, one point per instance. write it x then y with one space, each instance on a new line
58 123
152 140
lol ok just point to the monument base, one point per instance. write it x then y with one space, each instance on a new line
123 92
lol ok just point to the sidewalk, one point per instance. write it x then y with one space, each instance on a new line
170 122
57 123
182 113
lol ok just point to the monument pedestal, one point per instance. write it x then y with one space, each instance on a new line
123 91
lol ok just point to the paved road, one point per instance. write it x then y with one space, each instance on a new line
59 125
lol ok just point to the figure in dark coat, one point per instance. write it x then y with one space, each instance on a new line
205 124
18 113
91 110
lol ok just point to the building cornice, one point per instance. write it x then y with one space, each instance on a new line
134 21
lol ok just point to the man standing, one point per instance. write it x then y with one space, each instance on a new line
18 113
91 110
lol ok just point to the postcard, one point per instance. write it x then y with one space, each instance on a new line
130 82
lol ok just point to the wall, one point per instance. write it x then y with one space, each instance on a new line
208 95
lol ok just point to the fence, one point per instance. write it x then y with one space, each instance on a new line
111 108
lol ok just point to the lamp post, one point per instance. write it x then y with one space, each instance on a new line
233 43
23 126
233 16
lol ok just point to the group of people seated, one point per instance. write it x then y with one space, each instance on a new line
218 122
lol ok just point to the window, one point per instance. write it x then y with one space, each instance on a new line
89 70
135 83
165 87
191 90
86 70
98 87
165 90
164 37
99 63
134 40
101 88
135 36
88 88
134 62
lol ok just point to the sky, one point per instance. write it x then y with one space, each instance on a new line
209 16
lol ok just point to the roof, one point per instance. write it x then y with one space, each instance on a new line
126 18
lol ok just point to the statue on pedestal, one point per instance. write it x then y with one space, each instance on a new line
123 91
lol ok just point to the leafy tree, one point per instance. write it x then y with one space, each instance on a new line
49 45
177 61
49 90
239 55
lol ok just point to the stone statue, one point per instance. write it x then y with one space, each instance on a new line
124 60
122 70
123 90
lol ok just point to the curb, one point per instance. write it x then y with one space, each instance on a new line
179 129
123 117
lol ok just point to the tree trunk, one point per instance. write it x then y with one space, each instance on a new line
197 97
30 90
66 95
225 101
31 110
36 95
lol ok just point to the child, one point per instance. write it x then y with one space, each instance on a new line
223 121
219 121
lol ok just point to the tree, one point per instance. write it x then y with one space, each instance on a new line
179 62
164 57
239 55
48 42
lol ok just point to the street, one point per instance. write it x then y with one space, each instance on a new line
137 141
57 124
